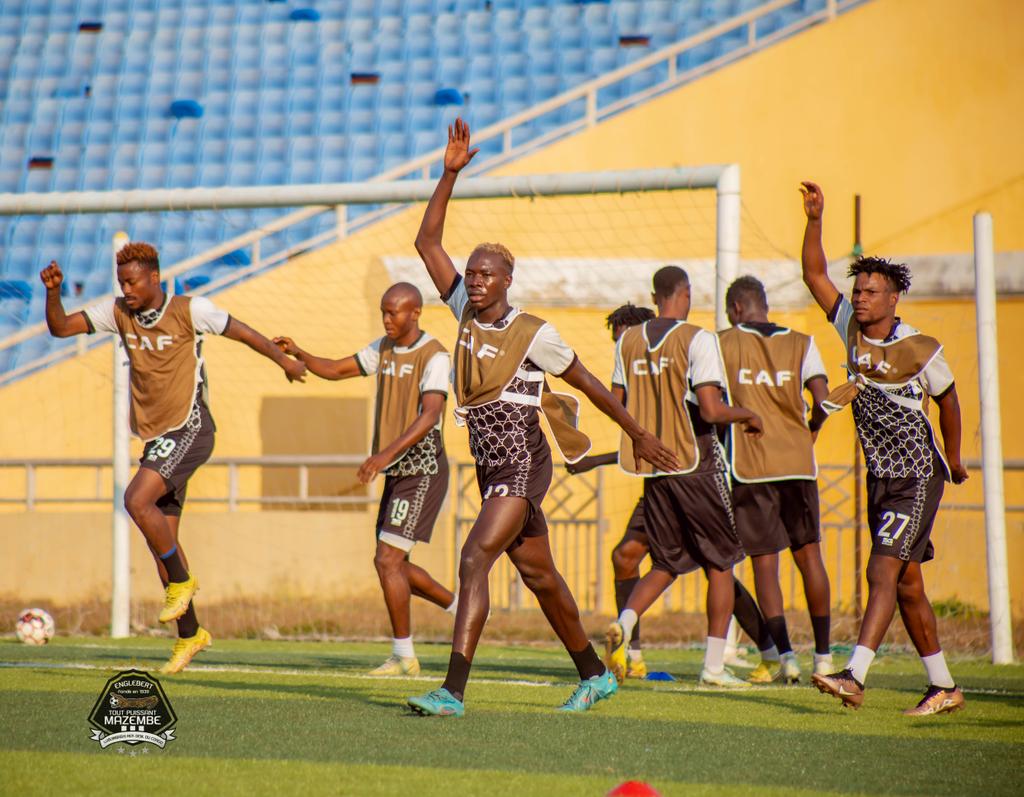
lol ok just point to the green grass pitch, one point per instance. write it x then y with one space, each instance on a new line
300 717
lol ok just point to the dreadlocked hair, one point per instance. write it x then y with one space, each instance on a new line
898 274
143 254
629 315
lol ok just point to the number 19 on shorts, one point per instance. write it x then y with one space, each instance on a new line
399 511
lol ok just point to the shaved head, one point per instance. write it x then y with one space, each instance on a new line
404 290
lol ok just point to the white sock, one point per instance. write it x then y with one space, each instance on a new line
635 654
454 606
714 656
403 648
770 654
938 672
628 620
860 660
823 657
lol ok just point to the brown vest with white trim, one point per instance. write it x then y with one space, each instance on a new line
487 361
656 386
398 402
765 375
164 362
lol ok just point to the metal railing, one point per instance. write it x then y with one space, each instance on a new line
594 112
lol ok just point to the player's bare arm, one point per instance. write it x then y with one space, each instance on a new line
430 414
324 367
428 240
60 324
949 423
818 388
812 256
645 445
295 370
589 463
714 410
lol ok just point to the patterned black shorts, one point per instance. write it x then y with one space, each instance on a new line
409 507
177 454
901 513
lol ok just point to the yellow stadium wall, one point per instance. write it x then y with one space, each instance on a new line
873 103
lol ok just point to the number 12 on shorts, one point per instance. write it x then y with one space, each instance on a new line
892 528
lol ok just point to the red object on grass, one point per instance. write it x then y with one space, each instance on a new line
634 788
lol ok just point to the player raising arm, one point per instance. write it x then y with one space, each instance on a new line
501 359
412 370
894 370
163 338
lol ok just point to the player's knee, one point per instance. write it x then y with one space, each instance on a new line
540 582
880 573
135 503
387 560
910 592
474 561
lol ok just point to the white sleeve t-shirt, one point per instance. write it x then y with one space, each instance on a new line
813 364
435 375
549 351
935 379
207 318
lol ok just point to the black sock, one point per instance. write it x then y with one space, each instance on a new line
188 623
749 617
821 629
777 626
176 571
623 589
458 675
588 663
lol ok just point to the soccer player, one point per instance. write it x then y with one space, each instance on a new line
412 369
163 336
634 546
774 488
669 375
501 360
894 371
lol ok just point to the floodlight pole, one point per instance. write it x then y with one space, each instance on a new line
120 594
991 441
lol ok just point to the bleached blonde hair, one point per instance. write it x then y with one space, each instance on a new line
496 249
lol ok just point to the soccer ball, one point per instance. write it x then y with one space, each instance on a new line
34 626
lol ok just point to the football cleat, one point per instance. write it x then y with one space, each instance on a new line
439 703
842 685
724 679
396 665
637 667
177 597
789 668
762 673
615 651
185 650
590 691
938 700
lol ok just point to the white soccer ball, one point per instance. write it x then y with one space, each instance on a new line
35 626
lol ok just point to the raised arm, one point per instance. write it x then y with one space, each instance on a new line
430 414
428 240
293 369
812 256
714 410
324 367
60 324
949 423
645 445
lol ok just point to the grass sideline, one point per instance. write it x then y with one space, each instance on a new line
301 717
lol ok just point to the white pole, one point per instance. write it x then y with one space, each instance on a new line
991 441
120 596
727 255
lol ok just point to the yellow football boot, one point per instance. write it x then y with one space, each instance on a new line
615 651
396 665
177 597
185 650
637 667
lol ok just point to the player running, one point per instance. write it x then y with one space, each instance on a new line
894 369
412 371
163 336
634 545
669 375
774 487
501 360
